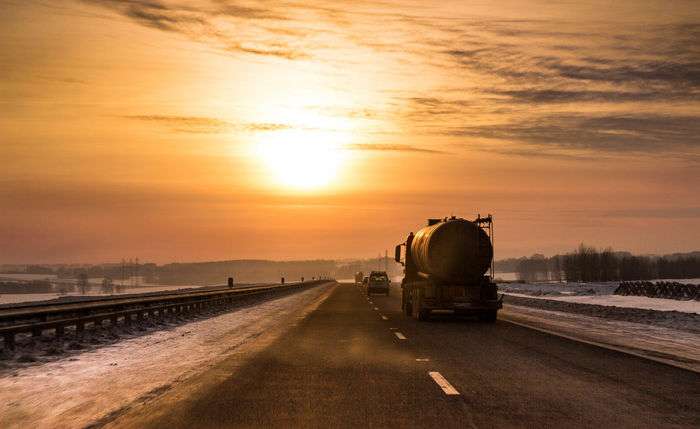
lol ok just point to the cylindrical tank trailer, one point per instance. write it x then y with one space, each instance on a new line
445 266
453 250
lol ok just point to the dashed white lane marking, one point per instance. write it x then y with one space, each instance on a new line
400 336
443 383
422 360
393 329
376 309
384 317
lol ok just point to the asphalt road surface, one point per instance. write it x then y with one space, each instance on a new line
352 363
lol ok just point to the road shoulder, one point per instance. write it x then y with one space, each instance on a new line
661 344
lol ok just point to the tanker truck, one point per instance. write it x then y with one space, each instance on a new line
445 266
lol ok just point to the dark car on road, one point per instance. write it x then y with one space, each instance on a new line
378 282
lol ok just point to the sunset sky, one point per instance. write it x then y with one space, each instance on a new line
210 130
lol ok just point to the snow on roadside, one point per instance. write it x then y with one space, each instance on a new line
79 390
559 288
680 348
17 298
658 304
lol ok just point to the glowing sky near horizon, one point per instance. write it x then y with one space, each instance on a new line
199 130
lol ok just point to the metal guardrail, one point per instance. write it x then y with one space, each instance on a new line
36 319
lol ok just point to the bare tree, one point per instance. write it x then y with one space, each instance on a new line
107 285
83 282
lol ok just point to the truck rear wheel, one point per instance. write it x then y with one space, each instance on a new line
489 316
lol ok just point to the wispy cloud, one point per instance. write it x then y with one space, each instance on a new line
276 50
209 22
553 96
205 125
393 148
533 76
642 133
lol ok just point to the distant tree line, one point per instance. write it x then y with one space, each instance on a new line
588 264
348 270
197 273
123 271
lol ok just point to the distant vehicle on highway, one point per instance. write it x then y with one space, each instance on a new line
445 269
359 277
378 282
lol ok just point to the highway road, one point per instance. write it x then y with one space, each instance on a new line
356 363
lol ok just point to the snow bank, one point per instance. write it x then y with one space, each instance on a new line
597 293
560 288
689 322
676 347
658 304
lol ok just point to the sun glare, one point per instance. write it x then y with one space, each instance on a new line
302 160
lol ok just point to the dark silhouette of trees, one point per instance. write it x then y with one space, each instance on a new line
587 264
533 268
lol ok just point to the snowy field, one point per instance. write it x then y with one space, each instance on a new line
27 277
598 294
95 385
658 304
14 298
506 277
560 288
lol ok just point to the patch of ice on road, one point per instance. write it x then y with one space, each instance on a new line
77 391
658 304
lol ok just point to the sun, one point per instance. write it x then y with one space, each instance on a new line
301 159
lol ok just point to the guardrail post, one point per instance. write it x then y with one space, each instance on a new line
59 330
79 326
36 332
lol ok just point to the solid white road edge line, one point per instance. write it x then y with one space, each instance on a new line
620 349
443 383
